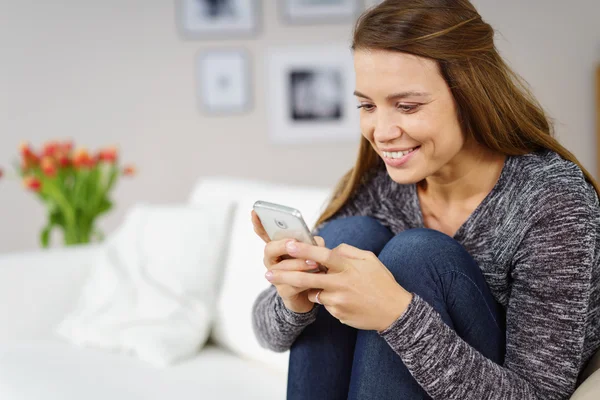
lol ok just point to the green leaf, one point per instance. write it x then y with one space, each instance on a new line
105 205
45 235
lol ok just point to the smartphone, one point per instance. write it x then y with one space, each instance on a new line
282 222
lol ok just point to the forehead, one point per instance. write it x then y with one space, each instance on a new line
383 68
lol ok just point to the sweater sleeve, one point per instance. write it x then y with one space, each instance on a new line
275 326
546 319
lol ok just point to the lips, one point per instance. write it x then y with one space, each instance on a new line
398 153
397 159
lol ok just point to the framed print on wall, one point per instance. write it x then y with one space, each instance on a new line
319 11
310 95
199 19
223 81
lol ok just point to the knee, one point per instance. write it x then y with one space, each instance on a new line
363 232
414 253
420 242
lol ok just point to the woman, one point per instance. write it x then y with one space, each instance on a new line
465 252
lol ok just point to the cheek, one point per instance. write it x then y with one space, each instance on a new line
438 130
367 127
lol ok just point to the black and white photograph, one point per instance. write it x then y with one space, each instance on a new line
217 18
316 94
223 81
319 11
310 95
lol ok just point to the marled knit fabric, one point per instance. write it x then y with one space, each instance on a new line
535 239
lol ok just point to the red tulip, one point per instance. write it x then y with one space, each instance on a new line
49 149
129 170
32 183
48 166
25 149
108 154
1 173
67 146
29 162
63 160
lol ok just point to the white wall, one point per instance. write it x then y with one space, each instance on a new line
114 71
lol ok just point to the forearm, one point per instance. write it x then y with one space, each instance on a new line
276 327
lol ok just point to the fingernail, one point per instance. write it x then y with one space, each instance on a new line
291 246
269 276
311 262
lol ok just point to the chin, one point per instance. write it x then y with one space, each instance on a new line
404 176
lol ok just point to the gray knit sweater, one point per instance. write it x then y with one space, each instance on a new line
535 239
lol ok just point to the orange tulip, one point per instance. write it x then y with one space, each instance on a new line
29 162
32 183
129 170
82 159
25 149
108 154
48 166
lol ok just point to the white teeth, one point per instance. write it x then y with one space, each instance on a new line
396 154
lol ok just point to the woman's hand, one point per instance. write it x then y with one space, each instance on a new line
358 289
295 298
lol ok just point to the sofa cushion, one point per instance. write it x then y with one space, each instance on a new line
152 289
244 270
53 370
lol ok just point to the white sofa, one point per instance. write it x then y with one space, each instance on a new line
38 288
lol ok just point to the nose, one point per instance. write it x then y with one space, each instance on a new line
386 129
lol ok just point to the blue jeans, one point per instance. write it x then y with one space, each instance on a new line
331 361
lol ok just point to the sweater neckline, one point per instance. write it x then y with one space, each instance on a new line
459 234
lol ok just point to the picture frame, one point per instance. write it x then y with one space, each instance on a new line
223 81
318 11
310 95
210 19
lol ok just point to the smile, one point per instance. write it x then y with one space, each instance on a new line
398 154
396 159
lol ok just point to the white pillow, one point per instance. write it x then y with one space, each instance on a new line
244 270
152 290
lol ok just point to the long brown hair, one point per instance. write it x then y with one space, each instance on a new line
494 105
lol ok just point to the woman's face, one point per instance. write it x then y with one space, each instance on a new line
407 113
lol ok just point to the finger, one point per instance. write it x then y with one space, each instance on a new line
301 279
336 259
312 296
320 241
258 227
294 265
275 249
286 291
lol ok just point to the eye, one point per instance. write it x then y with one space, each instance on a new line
367 107
407 108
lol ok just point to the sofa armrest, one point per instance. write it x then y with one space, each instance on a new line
37 288
589 389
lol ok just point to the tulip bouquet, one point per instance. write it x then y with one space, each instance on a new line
75 187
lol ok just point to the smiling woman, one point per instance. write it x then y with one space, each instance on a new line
462 248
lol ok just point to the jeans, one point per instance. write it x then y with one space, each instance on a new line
331 361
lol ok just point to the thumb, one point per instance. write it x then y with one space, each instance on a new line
320 241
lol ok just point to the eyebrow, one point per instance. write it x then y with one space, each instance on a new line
395 96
